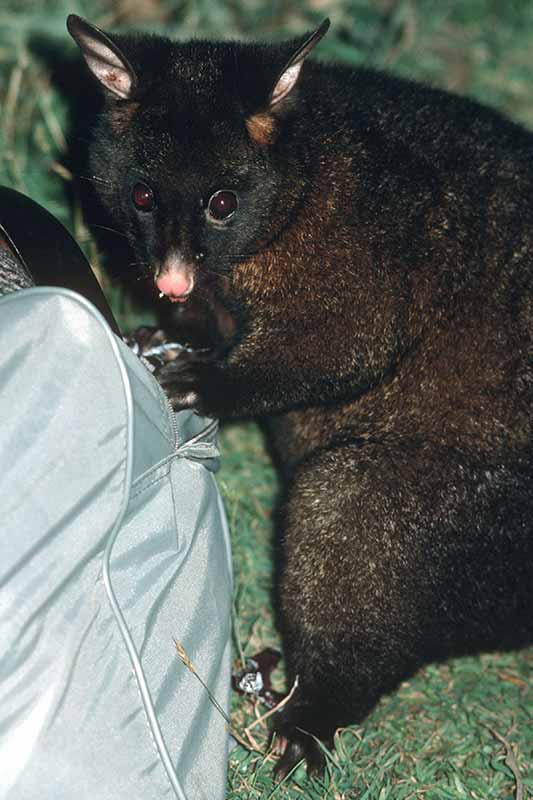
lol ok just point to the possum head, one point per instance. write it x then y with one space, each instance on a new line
190 155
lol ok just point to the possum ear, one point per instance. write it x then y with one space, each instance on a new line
105 60
289 74
263 124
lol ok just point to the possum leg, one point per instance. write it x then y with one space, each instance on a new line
393 556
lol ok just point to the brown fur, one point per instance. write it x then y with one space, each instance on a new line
262 128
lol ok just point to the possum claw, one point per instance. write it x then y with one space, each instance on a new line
279 745
300 746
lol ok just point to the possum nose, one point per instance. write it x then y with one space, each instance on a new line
175 279
174 284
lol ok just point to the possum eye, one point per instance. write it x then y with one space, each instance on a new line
222 205
143 197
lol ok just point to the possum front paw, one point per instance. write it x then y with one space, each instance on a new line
201 383
181 380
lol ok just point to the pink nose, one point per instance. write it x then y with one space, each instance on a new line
174 285
175 280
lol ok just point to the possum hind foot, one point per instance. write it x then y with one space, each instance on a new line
301 733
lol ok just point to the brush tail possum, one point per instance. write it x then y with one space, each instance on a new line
361 247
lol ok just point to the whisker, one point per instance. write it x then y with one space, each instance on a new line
234 257
95 179
106 228
218 275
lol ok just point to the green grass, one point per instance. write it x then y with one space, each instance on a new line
437 736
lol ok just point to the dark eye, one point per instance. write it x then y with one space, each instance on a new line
222 205
143 197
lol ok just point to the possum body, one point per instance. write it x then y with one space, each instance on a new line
362 247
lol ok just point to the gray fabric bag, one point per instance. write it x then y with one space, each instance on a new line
113 545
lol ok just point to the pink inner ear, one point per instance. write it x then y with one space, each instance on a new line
117 81
286 83
109 69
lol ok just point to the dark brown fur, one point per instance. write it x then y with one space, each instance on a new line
122 117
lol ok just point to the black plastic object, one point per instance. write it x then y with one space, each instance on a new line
48 251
